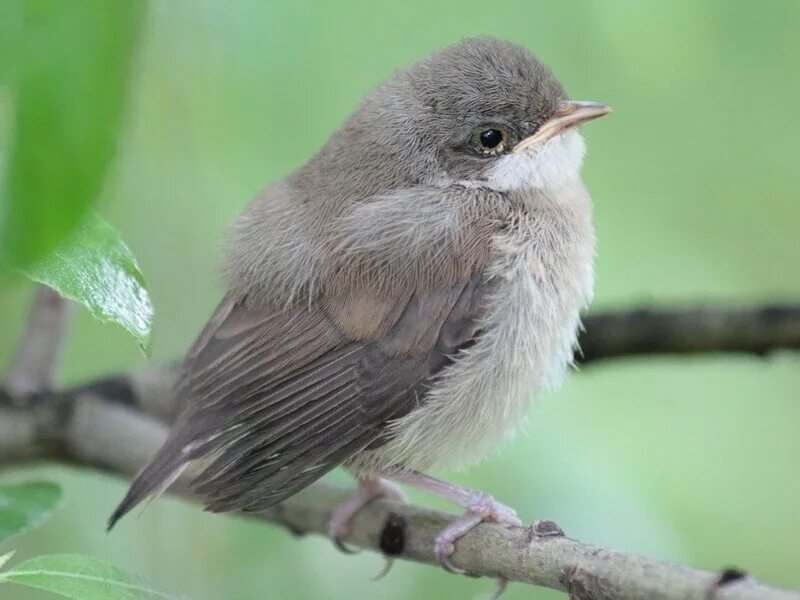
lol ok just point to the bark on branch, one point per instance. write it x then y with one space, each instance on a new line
115 425
34 367
758 330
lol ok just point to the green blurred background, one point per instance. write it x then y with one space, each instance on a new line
696 182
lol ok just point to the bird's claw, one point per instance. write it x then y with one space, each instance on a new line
337 530
482 508
342 547
444 548
369 490
386 568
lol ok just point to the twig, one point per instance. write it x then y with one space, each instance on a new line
34 367
113 434
757 330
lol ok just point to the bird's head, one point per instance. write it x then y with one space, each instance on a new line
483 112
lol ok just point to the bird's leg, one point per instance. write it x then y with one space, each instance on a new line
480 507
369 489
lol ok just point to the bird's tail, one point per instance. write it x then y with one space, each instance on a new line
153 480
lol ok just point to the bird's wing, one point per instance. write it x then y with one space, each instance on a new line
273 399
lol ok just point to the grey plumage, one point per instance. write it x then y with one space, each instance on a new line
396 301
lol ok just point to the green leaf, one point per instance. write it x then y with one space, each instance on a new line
81 578
26 505
66 66
95 267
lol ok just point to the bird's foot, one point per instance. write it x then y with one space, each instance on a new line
480 507
369 489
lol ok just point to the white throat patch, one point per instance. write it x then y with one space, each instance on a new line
550 165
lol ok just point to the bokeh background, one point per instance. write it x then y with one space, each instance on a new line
696 182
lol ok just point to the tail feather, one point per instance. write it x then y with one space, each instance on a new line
153 480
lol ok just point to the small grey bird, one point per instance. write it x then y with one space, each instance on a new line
395 304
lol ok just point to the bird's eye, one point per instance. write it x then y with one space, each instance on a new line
492 141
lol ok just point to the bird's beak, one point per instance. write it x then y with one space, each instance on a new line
569 114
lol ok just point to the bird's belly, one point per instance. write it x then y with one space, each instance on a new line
526 346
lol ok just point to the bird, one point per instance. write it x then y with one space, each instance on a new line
395 304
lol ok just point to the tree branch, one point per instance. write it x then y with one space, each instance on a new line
116 424
757 330
104 426
34 367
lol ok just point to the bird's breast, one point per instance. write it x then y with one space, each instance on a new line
542 273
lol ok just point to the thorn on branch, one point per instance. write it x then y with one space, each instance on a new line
546 528
729 576
726 577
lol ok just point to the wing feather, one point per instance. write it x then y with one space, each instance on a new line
274 399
